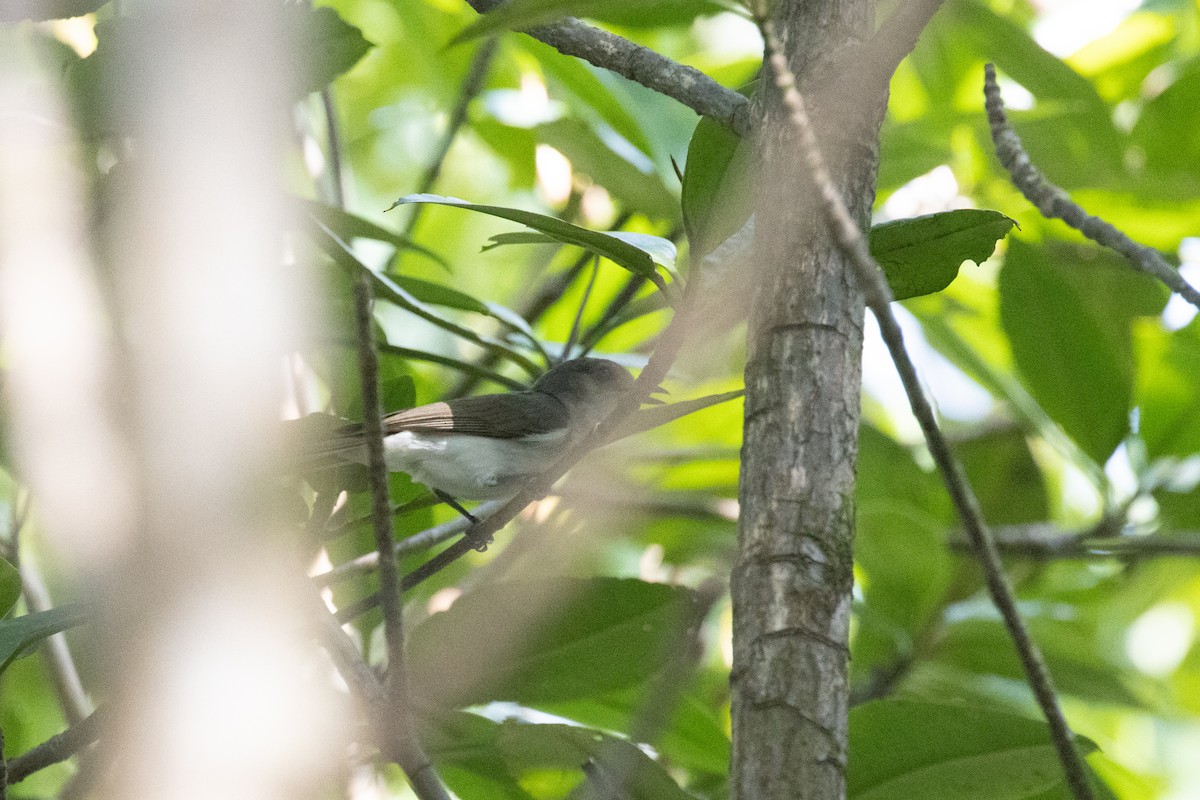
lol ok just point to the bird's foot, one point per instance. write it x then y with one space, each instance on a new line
450 501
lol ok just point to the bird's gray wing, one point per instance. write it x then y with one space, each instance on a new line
498 416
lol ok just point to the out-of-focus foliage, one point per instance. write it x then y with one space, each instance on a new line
1071 395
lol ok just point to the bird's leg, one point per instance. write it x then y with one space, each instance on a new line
450 501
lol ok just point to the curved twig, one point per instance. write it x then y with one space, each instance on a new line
1054 203
641 65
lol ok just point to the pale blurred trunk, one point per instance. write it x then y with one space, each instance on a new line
792 582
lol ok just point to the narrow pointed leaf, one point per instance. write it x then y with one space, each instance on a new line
21 633
630 256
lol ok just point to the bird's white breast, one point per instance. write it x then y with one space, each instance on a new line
472 467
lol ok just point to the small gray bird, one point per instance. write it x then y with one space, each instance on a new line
488 447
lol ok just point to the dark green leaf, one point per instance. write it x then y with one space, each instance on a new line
10 586
981 645
438 294
552 640
349 226
717 192
695 737
567 747
328 44
1067 312
20 633
922 255
633 258
1007 481
902 750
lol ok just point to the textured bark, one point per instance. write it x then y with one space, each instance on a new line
793 578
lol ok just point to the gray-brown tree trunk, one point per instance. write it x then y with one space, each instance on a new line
792 582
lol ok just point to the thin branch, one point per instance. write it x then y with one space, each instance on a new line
398 739
333 138
641 65
587 293
1049 543
878 297
481 63
1054 203
56 749
418 541
64 674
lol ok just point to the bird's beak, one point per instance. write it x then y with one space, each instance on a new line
655 401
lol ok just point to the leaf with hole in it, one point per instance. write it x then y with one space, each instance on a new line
900 750
19 634
922 255
636 259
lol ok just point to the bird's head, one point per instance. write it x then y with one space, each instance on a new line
590 388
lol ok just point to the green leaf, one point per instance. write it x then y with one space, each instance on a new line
661 251
342 254
650 418
330 45
627 173
901 750
524 14
10 586
633 258
1008 483
694 737
922 255
439 295
551 640
717 193
350 226
1165 132
1067 312
1168 389
569 748
21 633
981 645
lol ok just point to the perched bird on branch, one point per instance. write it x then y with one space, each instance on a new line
488 447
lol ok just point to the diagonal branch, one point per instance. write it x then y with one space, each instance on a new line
641 65
878 297
1054 203
56 749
